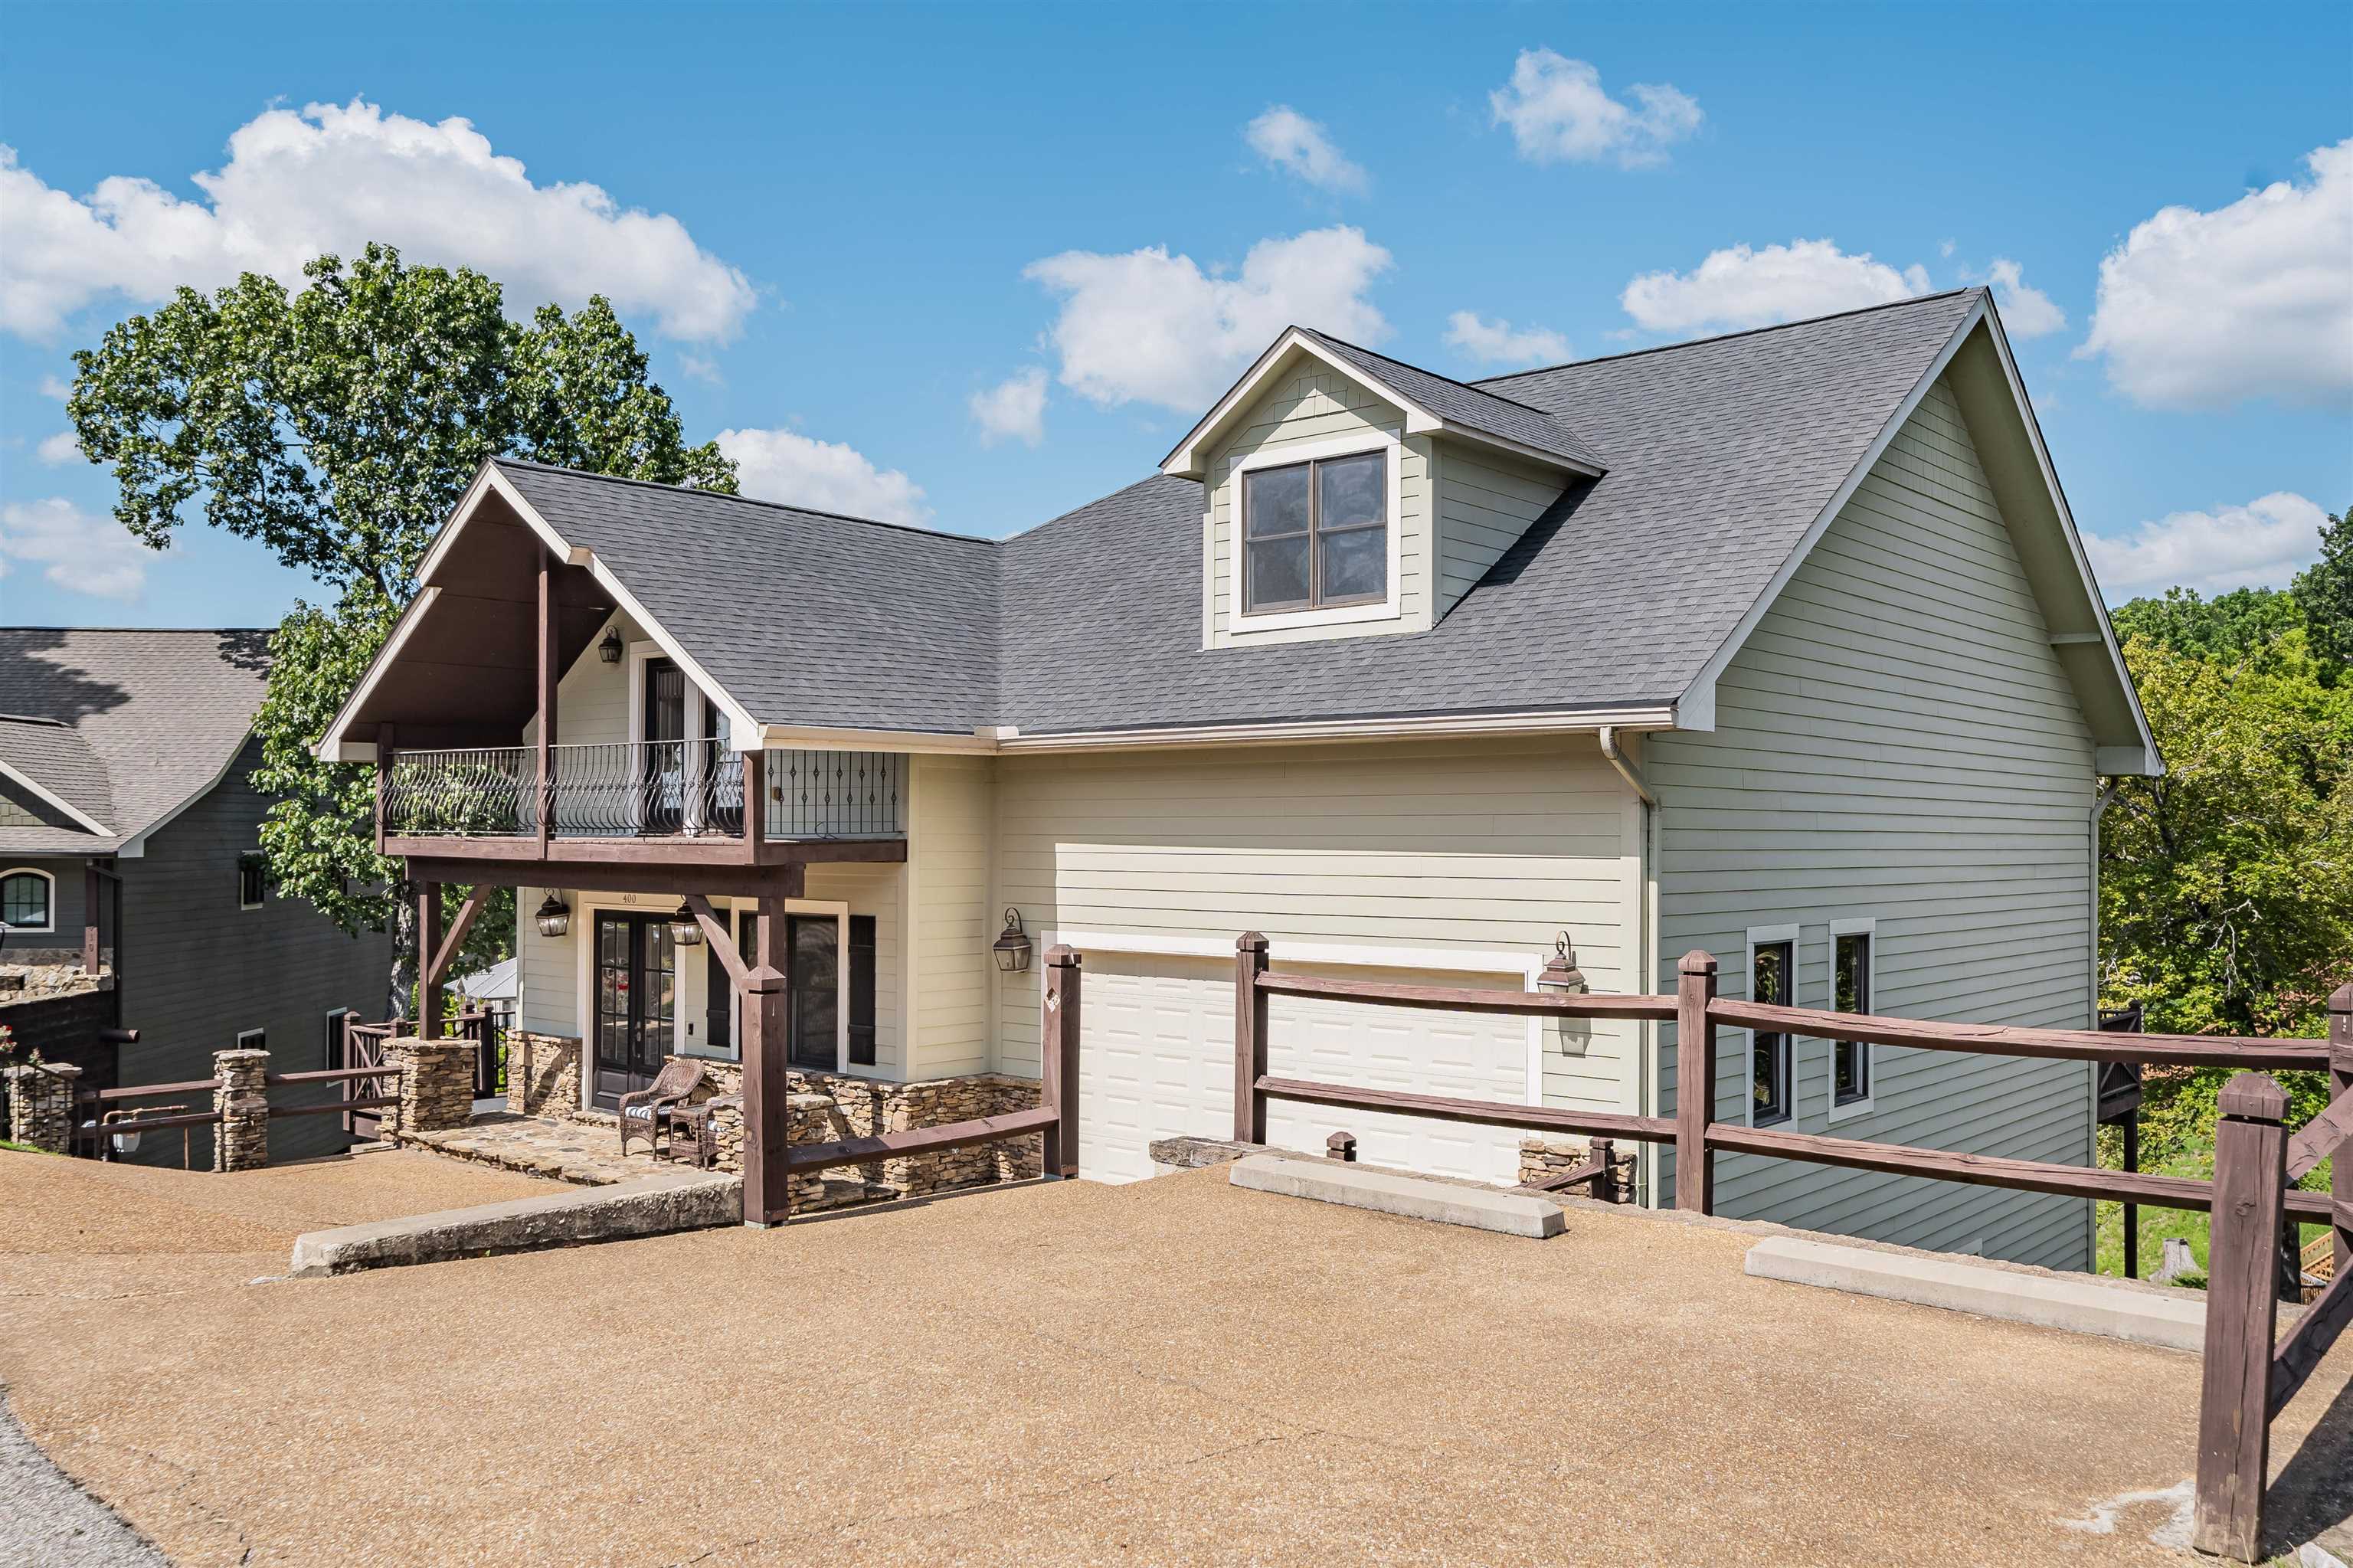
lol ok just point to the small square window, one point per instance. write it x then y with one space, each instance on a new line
252 880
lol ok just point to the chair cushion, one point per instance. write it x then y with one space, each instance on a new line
641 1112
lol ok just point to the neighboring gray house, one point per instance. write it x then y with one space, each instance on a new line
1780 644
127 829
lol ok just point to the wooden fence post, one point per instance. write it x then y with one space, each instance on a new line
1695 1083
2241 1307
1249 1038
2340 1081
1058 1052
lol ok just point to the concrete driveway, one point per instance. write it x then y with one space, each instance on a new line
1172 1372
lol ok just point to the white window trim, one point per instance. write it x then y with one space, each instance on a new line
1391 446
51 878
257 903
1854 925
1761 936
245 1034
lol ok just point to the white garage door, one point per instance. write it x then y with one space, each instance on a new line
1156 1060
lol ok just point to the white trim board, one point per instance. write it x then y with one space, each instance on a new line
33 786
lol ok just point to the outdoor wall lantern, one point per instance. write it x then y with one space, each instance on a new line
1561 973
1012 945
554 918
684 929
609 650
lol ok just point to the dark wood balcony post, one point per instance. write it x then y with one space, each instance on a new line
755 795
1249 1038
1058 1052
2340 1083
89 907
547 678
2234 1414
767 1090
428 943
1695 1083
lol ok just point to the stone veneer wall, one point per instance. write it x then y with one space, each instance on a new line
829 1107
1541 1158
543 1074
437 1085
30 974
242 1101
40 1104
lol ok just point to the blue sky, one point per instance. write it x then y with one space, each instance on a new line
862 220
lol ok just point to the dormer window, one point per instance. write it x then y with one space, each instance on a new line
1315 534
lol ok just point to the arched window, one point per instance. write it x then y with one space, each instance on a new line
29 900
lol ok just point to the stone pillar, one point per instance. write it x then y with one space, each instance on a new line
436 1084
543 1074
41 1105
241 1141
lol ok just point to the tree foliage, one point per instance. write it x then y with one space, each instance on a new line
2226 892
2325 591
338 426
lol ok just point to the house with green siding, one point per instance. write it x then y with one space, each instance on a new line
1782 645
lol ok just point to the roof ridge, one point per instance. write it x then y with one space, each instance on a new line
1727 336
153 631
33 719
1089 506
746 500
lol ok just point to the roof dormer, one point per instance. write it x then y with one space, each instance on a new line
1349 494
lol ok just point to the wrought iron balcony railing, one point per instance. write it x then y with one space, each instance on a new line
643 789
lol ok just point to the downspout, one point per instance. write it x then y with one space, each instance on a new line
1646 1065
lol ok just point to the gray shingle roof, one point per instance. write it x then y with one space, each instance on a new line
803 617
1720 454
153 717
1461 403
60 760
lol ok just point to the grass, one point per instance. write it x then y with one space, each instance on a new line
2156 1225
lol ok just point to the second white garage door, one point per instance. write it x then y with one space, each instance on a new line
1157 1061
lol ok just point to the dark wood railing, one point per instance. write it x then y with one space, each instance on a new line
2248 1377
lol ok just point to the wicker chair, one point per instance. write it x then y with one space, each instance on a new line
647 1113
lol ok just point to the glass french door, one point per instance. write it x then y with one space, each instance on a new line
636 1002
662 767
815 1000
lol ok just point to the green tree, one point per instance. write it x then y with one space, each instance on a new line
2246 623
338 426
2325 590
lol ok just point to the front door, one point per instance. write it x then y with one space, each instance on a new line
636 1002
817 991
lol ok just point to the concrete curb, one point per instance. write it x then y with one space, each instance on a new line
648 1206
1409 1197
2176 1322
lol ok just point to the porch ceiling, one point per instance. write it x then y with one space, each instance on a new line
466 670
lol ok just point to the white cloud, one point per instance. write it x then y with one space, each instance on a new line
701 369
1559 112
59 449
1742 287
1151 327
80 552
824 476
51 387
1498 343
2260 544
2198 309
2025 312
1297 145
330 179
1013 409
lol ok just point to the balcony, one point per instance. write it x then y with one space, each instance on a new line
690 793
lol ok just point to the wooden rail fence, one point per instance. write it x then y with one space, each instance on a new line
2249 1373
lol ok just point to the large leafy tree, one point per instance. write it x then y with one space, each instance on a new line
338 425
2325 592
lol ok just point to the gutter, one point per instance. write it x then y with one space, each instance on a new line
1648 1048
1626 769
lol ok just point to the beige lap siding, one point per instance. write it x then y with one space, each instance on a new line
549 967
1475 847
1897 742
